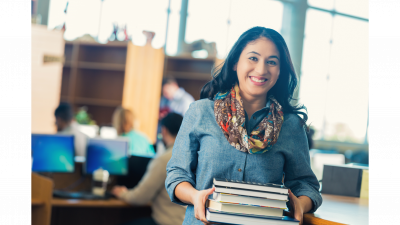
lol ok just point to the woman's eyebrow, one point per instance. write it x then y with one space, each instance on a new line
274 56
254 53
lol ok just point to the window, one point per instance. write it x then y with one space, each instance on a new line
334 81
224 21
97 17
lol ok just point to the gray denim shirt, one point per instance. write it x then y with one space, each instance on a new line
201 152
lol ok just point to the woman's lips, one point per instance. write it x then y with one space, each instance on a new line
256 80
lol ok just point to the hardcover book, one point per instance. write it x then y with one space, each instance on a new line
242 209
246 200
274 188
235 218
252 193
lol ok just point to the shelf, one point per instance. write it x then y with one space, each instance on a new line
37 202
101 66
98 66
99 102
93 101
189 75
118 44
210 59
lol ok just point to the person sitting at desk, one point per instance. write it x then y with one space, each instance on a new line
151 187
174 98
139 144
66 124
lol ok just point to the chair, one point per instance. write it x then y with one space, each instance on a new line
42 191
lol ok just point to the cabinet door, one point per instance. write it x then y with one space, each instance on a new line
47 54
142 86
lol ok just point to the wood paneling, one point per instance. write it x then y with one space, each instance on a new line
42 190
46 78
142 86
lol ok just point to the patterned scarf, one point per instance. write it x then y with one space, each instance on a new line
230 116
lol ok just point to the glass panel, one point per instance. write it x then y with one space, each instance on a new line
137 15
347 111
56 14
352 7
173 27
325 4
315 64
208 20
247 14
82 18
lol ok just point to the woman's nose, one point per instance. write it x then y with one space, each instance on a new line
261 68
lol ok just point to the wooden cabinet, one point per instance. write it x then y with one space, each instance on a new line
93 76
96 75
191 73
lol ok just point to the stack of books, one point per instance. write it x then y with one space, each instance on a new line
237 202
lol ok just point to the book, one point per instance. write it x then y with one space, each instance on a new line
246 200
252 193
242 209
234 218
274 188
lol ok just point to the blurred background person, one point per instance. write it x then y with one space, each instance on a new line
66 124
139 143
175 99
151 188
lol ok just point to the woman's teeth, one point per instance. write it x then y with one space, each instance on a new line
257 80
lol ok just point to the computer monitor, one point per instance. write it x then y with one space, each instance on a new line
137 168
53 153
108 154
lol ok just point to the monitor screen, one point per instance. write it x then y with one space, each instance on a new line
53 153
110 155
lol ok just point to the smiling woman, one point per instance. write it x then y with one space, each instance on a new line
244 128
259 52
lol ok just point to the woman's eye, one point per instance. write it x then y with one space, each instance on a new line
272 62
253 58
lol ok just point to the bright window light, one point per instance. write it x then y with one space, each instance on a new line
334 81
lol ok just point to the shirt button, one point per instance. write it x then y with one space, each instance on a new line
240 170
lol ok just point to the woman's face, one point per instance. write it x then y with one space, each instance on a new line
258 68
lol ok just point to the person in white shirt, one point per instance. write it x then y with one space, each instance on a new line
175 99
151 188
66 124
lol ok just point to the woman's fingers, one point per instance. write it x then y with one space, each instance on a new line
202 210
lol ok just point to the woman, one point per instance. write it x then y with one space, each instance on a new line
232 132
139 144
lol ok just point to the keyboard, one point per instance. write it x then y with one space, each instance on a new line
81 195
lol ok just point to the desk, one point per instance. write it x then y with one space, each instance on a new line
341 209
101 212
335 210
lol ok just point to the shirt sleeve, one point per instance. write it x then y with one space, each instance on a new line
298 174
183 163
149 185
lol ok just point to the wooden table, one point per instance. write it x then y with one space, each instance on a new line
341 210
101 212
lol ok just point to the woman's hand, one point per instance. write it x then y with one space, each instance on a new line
300 205
199 202
119 190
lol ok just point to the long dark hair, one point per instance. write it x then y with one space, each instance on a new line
224 77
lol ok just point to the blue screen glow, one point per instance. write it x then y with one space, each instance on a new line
52 153
110 155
